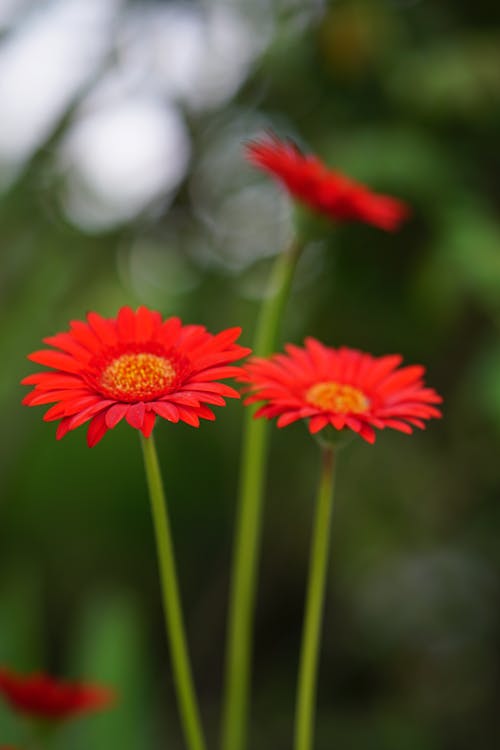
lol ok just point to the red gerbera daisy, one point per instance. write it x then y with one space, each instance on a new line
136 366
342 388
323 190
41 696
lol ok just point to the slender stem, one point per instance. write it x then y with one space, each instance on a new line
272 309
249 520
186 696
306 688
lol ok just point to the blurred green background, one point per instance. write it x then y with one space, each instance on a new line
122 182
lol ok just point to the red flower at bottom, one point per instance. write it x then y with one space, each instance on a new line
41 696
342 388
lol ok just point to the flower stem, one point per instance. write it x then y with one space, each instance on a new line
186 696
308 668
248 524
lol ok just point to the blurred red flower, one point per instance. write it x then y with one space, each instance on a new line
341 388
136 366
41 696
309 181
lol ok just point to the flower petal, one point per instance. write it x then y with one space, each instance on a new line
135 415
96 431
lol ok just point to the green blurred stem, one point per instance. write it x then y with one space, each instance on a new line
249 521
318 566
186 696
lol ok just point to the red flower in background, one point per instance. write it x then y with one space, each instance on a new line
41 696
342 388
309 181
136 367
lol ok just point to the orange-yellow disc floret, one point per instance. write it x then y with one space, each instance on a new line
338 398
137 376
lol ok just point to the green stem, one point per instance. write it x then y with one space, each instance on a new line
308 668
186 696
249 520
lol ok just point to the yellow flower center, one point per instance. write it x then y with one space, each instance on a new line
137 376
336 397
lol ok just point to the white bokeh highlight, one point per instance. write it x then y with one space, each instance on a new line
120 158
124 73
199 55
43 64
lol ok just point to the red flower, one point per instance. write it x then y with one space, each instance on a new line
43 697
343 388
323 190
136 366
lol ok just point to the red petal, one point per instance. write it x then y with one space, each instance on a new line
214 373
115 414
317 423
103 328
219 388
83 416
401 379
126 324
397 424
56 360
184 399
62 428
188 416
149 423
318 354
170 330
36 398
288 418
367 433
146 322
205 413
194 398
84 334
135 415
218 342
67 343
52 380
380 368
166 410
96 431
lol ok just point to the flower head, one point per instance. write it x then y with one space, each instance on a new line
136 367
341 388
310 182
41 696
